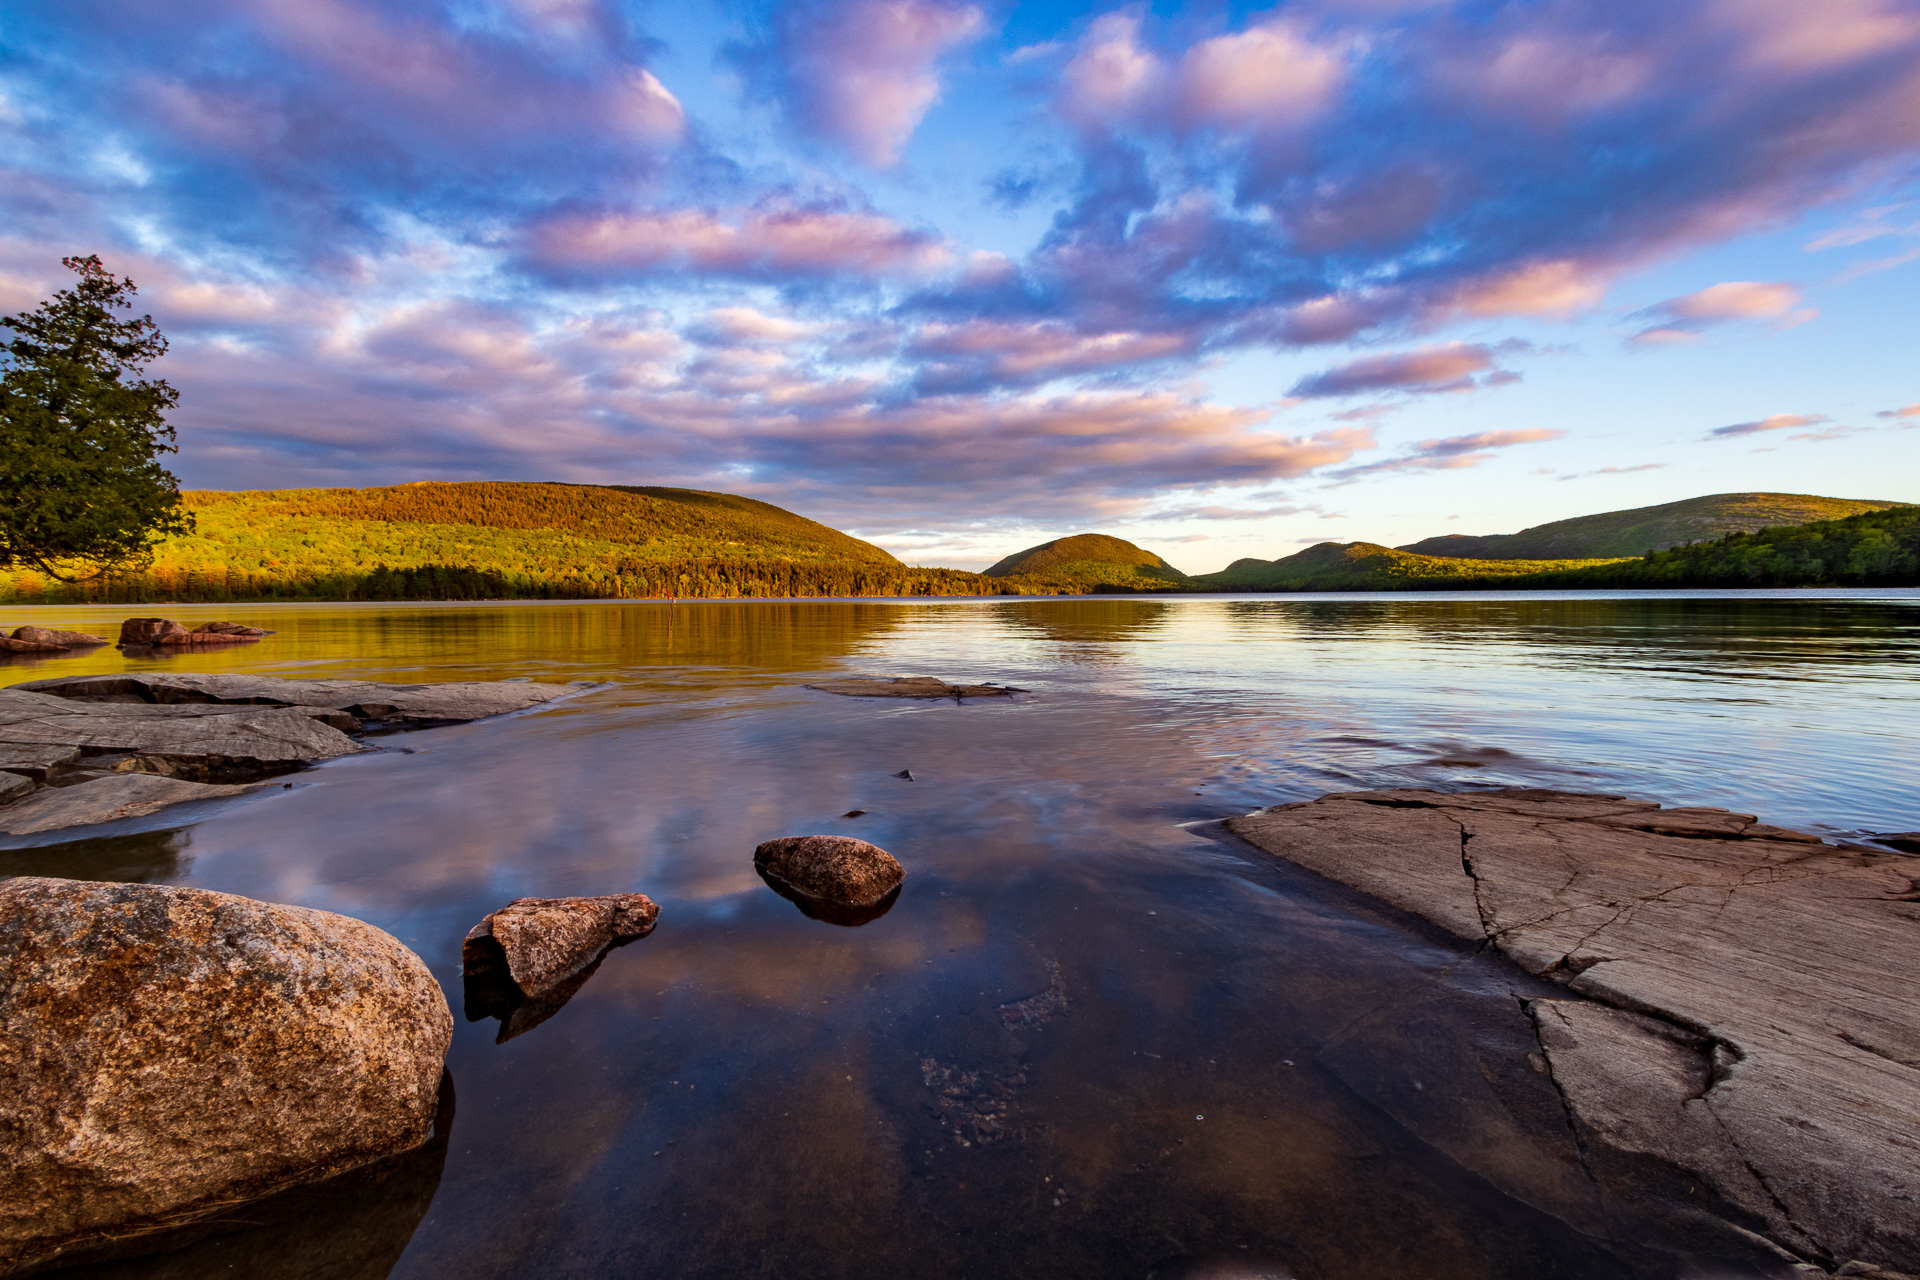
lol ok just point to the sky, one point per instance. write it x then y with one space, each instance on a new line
960 277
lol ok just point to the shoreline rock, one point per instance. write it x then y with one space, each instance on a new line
910 687
170 1052
61 639
522 963
1749 1013
842 880
195 736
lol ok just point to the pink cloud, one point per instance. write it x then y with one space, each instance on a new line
1425 370
1269 75
778 241
1909 411
1774 422
1685 318
1110 73
864 73
1452 453
1000 351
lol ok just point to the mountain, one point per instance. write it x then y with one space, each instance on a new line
1634 533
1368 566
504 540
1872 549
1089 560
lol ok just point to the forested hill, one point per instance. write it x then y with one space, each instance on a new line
1092 561
1873 549
501 540
1642 529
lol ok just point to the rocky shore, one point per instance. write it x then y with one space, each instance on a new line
1741 1000
90 749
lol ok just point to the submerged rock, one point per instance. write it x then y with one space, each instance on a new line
50 635
524 961
910 687
171 1052
1749 1014
838 871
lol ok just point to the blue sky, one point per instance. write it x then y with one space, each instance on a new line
960 277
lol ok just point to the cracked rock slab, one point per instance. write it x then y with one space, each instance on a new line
123 795
1753 994
269 739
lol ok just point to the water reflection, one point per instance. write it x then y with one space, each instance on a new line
146 857
832 912
1091 1041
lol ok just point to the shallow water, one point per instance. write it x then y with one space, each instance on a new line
1094 1034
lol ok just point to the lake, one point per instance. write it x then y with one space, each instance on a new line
1095 1036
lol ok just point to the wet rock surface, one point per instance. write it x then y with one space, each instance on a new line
910 687
835 870
170 1053
1749 1015
102 799
202 735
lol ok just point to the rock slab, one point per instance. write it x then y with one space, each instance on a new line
167 1052
834 869
446 703
1752 995
108 799
910 687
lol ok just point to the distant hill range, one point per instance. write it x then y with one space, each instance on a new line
1368 566
1090 561
1634 533
1876 548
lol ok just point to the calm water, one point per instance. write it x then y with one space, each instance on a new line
1094 1035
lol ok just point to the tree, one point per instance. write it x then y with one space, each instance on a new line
81 432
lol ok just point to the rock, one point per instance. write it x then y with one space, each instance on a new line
522 963
49 635
544 941
835 870
9 644
104 799
910 687
13 786
448 703
229 629
1749 1014
169 1052
138 631
222 743
35 760
1906 841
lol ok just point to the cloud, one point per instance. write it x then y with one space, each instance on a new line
1685 318
987 353
860 73
1424 371
1773 422
1610 471
777 241
1908 411
1450 454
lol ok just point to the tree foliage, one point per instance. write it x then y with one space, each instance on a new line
80 433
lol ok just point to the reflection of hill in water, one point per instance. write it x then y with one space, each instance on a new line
145 857
1085 621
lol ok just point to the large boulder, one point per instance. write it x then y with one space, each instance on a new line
54 636
837 870
166 633
168 1052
